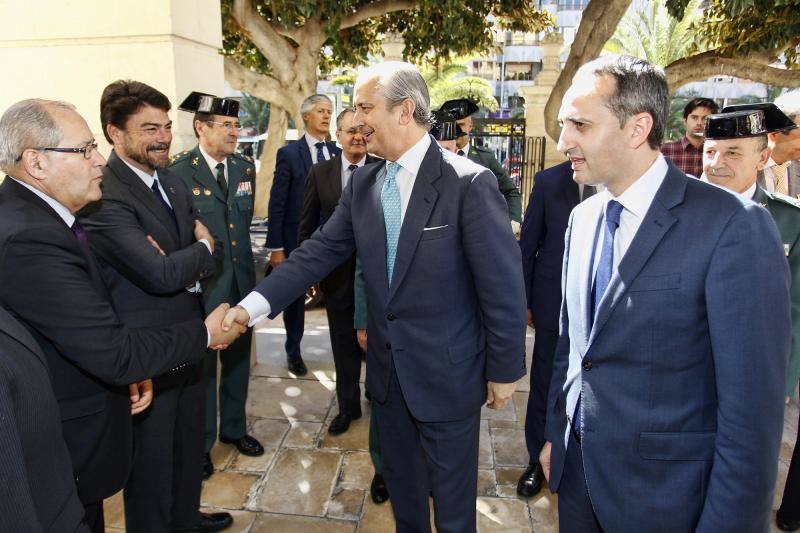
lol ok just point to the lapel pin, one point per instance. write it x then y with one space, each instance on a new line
196 191
194 161
207 192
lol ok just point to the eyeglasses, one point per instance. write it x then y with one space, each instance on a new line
86 150
227 125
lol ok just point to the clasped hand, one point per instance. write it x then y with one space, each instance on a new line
223 335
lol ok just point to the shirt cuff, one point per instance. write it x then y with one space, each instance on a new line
256 306
208 245
274 249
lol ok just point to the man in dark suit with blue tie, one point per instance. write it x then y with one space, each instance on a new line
666 402
286 207
541 241
446 325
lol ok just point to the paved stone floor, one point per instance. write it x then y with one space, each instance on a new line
308 481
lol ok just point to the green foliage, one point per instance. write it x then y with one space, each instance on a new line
254 113
650 32
449 82
742 27
436 30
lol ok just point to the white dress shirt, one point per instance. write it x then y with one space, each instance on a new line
212 163
635 201
346 168
769 175
258 307
312 141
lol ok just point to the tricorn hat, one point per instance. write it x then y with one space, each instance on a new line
775 119
445 127
749 123
208 103
460 108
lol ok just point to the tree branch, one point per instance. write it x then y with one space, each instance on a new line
264 35
259 85
707 64
376 9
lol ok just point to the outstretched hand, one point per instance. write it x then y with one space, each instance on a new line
222 337
235 317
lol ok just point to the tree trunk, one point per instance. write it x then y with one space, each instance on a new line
278 123
598 22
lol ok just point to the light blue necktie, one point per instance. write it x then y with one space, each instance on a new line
605 268
390 200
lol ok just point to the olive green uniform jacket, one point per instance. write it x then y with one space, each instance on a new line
486 158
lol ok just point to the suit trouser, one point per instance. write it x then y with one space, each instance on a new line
233 383
294 314
418 457
374 442
544 348
93 517
575 512
339 307
163 490
790 505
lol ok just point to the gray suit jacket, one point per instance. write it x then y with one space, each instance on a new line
683 370
792 172
454 315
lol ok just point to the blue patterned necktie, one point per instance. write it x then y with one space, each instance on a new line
320 153
390 200
605 268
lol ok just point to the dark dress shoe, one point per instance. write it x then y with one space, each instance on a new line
530 483
787 525
246 445
341 422
296 367
208 466
377 489
211 522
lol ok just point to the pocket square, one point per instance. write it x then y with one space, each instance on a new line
435 227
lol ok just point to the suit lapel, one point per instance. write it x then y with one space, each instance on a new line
378 233
657 222
305 155
333 180
570 188
420 205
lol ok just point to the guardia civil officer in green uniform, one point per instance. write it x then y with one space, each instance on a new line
222 184
734 152
462 110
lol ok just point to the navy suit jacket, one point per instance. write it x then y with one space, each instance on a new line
683 370
286 196
454 315
553 197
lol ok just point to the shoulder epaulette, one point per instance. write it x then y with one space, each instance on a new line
178 157
243 157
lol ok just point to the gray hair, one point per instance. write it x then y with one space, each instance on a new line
28 124
641 88
308 104
399 81
789 103
340 116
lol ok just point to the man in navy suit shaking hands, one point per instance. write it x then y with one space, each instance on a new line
665 410
446 326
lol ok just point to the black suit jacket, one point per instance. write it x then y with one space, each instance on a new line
323 190
56 290
37 490
147 288
541 240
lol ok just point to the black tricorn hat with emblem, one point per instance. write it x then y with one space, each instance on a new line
750 123
775 119
445 127
208 103
460 108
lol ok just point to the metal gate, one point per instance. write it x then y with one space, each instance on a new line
520 156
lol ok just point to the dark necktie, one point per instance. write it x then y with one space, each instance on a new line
164 204
320 153
461 153
588 190
223 185
350 170
83 240
605 268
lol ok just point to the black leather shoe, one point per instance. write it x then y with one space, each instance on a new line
246 445
787 525
208 466
377 489
296 367
211 522
341 422
530 483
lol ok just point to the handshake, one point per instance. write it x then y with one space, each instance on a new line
225 324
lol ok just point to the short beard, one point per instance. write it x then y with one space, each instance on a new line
146 159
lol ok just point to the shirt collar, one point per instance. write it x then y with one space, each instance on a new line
346 163
770 163
144 176
312 141
637 198
686 145
746 195
60 210
212 163
411 160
